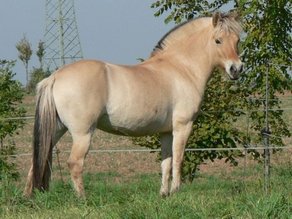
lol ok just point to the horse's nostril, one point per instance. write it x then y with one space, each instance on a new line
240 68
233 69
236 69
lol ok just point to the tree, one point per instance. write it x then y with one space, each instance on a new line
267 52
266 47
25 52
40 53
11 95
38 74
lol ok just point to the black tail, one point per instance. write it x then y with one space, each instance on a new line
44 133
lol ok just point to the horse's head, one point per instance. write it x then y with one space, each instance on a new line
225 43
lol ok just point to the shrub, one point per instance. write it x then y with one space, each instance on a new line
37 75
10 97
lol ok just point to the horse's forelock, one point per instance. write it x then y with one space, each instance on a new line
229 23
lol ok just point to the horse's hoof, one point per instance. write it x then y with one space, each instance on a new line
174 190
164 194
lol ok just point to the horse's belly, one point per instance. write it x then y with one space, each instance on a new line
134 126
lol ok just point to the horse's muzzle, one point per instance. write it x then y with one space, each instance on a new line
235 71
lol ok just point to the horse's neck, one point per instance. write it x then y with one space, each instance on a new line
200 75
192 59
197 69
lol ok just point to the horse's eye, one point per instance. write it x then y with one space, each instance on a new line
218 41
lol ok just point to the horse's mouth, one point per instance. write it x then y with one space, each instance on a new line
234 77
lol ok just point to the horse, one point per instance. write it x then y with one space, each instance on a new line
161 95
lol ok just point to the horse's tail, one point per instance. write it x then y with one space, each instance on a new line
45 127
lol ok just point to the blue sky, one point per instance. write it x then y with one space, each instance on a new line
110 30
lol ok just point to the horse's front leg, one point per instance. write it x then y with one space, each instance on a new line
166 155
181 132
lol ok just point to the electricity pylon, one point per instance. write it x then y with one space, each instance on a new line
62 43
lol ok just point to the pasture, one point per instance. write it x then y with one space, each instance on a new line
126 185
210 196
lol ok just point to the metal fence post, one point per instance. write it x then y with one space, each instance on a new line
267 165
265 134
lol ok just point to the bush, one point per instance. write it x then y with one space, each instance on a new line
11 94
37 75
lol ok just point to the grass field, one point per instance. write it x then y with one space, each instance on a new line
126 185
211 196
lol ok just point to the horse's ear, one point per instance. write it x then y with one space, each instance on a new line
216 18
235 15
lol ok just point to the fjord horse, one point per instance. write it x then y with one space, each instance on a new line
162 95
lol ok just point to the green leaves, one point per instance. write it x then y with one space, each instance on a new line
24 49
11 95
182 10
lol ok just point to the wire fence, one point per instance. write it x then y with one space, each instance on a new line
159 150
205 111
246 146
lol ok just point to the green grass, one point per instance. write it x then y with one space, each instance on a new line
209 196
235 194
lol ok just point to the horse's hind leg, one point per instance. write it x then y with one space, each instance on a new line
166 154
79 150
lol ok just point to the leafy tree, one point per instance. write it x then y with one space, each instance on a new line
266 47
11 95
40 53
25 52
267 52
38 74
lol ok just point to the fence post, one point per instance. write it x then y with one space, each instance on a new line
266 141
247 143
267 172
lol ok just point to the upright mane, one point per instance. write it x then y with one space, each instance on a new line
160 45
227 22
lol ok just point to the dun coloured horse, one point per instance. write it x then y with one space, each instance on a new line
162 95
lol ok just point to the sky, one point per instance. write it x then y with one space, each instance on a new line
116 31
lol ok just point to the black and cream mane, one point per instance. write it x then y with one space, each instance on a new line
160 44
